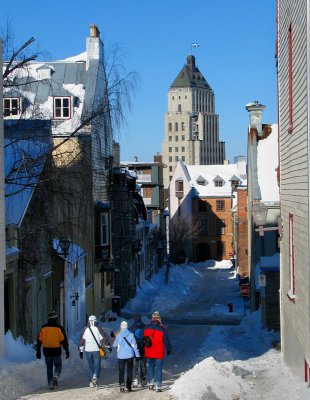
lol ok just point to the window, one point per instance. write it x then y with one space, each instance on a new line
290 79
170 138
104 229
220 205
220 226
170 127
176 126
203 229
183 158
176 149
170 169
62 107
11 106
176 158
235 183
221 249
291 292
183 137
201 182
183 126
218 183
170 158
179 108
202 205
183 149
179 186
177 138
170 149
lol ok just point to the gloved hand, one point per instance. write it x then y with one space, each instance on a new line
67 354
38 354
81 355
168 353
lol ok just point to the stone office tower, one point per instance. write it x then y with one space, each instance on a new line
191 124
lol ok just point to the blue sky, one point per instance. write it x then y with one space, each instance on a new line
236 55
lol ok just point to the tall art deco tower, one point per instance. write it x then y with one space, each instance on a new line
191 124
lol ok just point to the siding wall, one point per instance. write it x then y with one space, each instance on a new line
294 187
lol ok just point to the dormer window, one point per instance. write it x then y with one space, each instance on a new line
201 181
235 181
62 107
218 181
11 107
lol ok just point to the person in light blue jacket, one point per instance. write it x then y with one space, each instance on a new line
127 349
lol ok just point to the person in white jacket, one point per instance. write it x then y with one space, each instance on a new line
91 338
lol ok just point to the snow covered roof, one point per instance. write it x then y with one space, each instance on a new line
74 252
213 173
24 161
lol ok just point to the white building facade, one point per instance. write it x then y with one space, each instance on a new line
293 98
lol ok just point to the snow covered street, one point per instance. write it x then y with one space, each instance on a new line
219 362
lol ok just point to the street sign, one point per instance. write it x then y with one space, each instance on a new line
245 290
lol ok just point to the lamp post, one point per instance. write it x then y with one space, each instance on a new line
259 214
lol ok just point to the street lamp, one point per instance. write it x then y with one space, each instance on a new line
259 214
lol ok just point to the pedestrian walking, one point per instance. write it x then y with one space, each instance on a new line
92 338
139 364
127 349
51 337
158 335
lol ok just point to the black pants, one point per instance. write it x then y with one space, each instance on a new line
128 364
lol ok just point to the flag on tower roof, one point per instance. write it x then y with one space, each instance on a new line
195 44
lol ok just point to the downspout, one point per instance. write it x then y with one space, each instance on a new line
255 110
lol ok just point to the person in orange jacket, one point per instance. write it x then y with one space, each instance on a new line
156 352
51 337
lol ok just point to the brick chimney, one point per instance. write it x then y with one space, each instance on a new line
94 31
94 46
158 158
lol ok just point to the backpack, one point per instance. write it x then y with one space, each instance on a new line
147 341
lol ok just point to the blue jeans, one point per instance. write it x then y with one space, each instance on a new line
50 362
155 372
94 364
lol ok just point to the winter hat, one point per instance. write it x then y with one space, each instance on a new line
124 325
52 315
156 316
92 319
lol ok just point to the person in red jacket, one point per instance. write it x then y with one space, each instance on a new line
156 353
51 337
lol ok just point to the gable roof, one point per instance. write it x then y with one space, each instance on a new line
212 173
190 76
